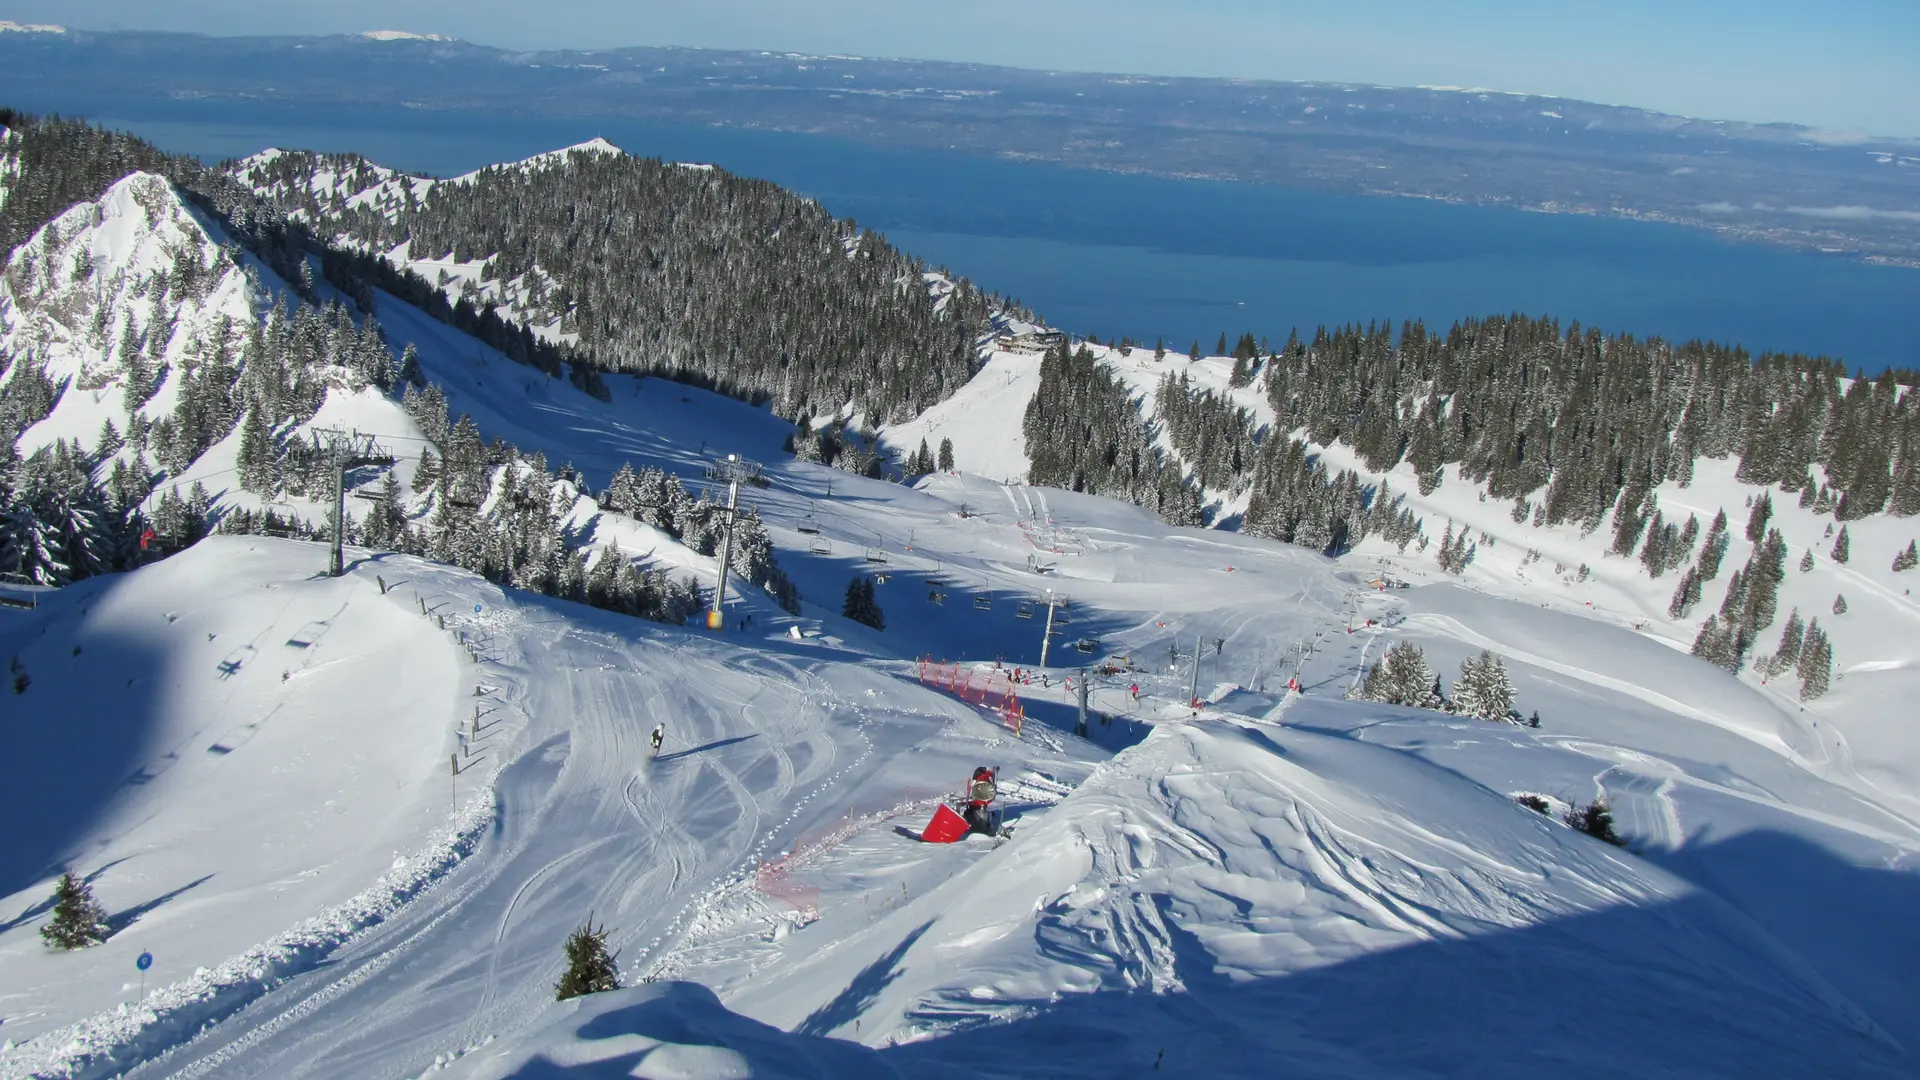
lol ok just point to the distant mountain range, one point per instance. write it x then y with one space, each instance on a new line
1778 183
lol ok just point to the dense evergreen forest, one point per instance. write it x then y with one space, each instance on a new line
1569 426
1572 427
650 267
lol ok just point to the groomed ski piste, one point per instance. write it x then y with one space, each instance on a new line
353 820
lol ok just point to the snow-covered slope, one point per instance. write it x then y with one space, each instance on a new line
1307 894
94 282
218 740
1342 887
1559 567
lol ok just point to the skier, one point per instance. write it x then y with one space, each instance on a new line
659 736
1135 691
981 790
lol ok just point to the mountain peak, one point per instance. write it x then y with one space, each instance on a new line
401 35
30 28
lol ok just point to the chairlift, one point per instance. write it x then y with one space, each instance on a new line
808 525
935 596
1086 645
821 546
983 602
876 555
880 578
1024 610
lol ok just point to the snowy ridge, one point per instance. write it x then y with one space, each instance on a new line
141 272
87 285
593 146
1215 858
351 183
401 35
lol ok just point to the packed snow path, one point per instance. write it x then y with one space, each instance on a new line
762 742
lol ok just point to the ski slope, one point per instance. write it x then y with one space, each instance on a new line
1876 642
255 765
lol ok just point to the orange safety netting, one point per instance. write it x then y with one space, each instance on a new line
986 687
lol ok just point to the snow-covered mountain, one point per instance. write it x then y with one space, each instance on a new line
1567 567
353 819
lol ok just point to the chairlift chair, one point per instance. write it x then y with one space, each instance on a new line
876 555
1024 610
983 603
1086 645
821 546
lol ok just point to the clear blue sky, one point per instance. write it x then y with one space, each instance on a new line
1853 65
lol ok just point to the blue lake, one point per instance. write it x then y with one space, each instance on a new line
1184 260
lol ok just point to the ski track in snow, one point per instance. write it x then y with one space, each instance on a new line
1270 848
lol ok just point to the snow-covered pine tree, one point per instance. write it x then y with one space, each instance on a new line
1405 677
1714 549
1758 517
1806 561
1685 595
806 443
1816 663
257 453
1842 547
109 441
1496 692
1908 559
1787 654
1467 687
1714 644
1839 603
623 493
861 606
78 919
946 455
591 969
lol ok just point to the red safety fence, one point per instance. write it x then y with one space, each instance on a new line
988 688
775 878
